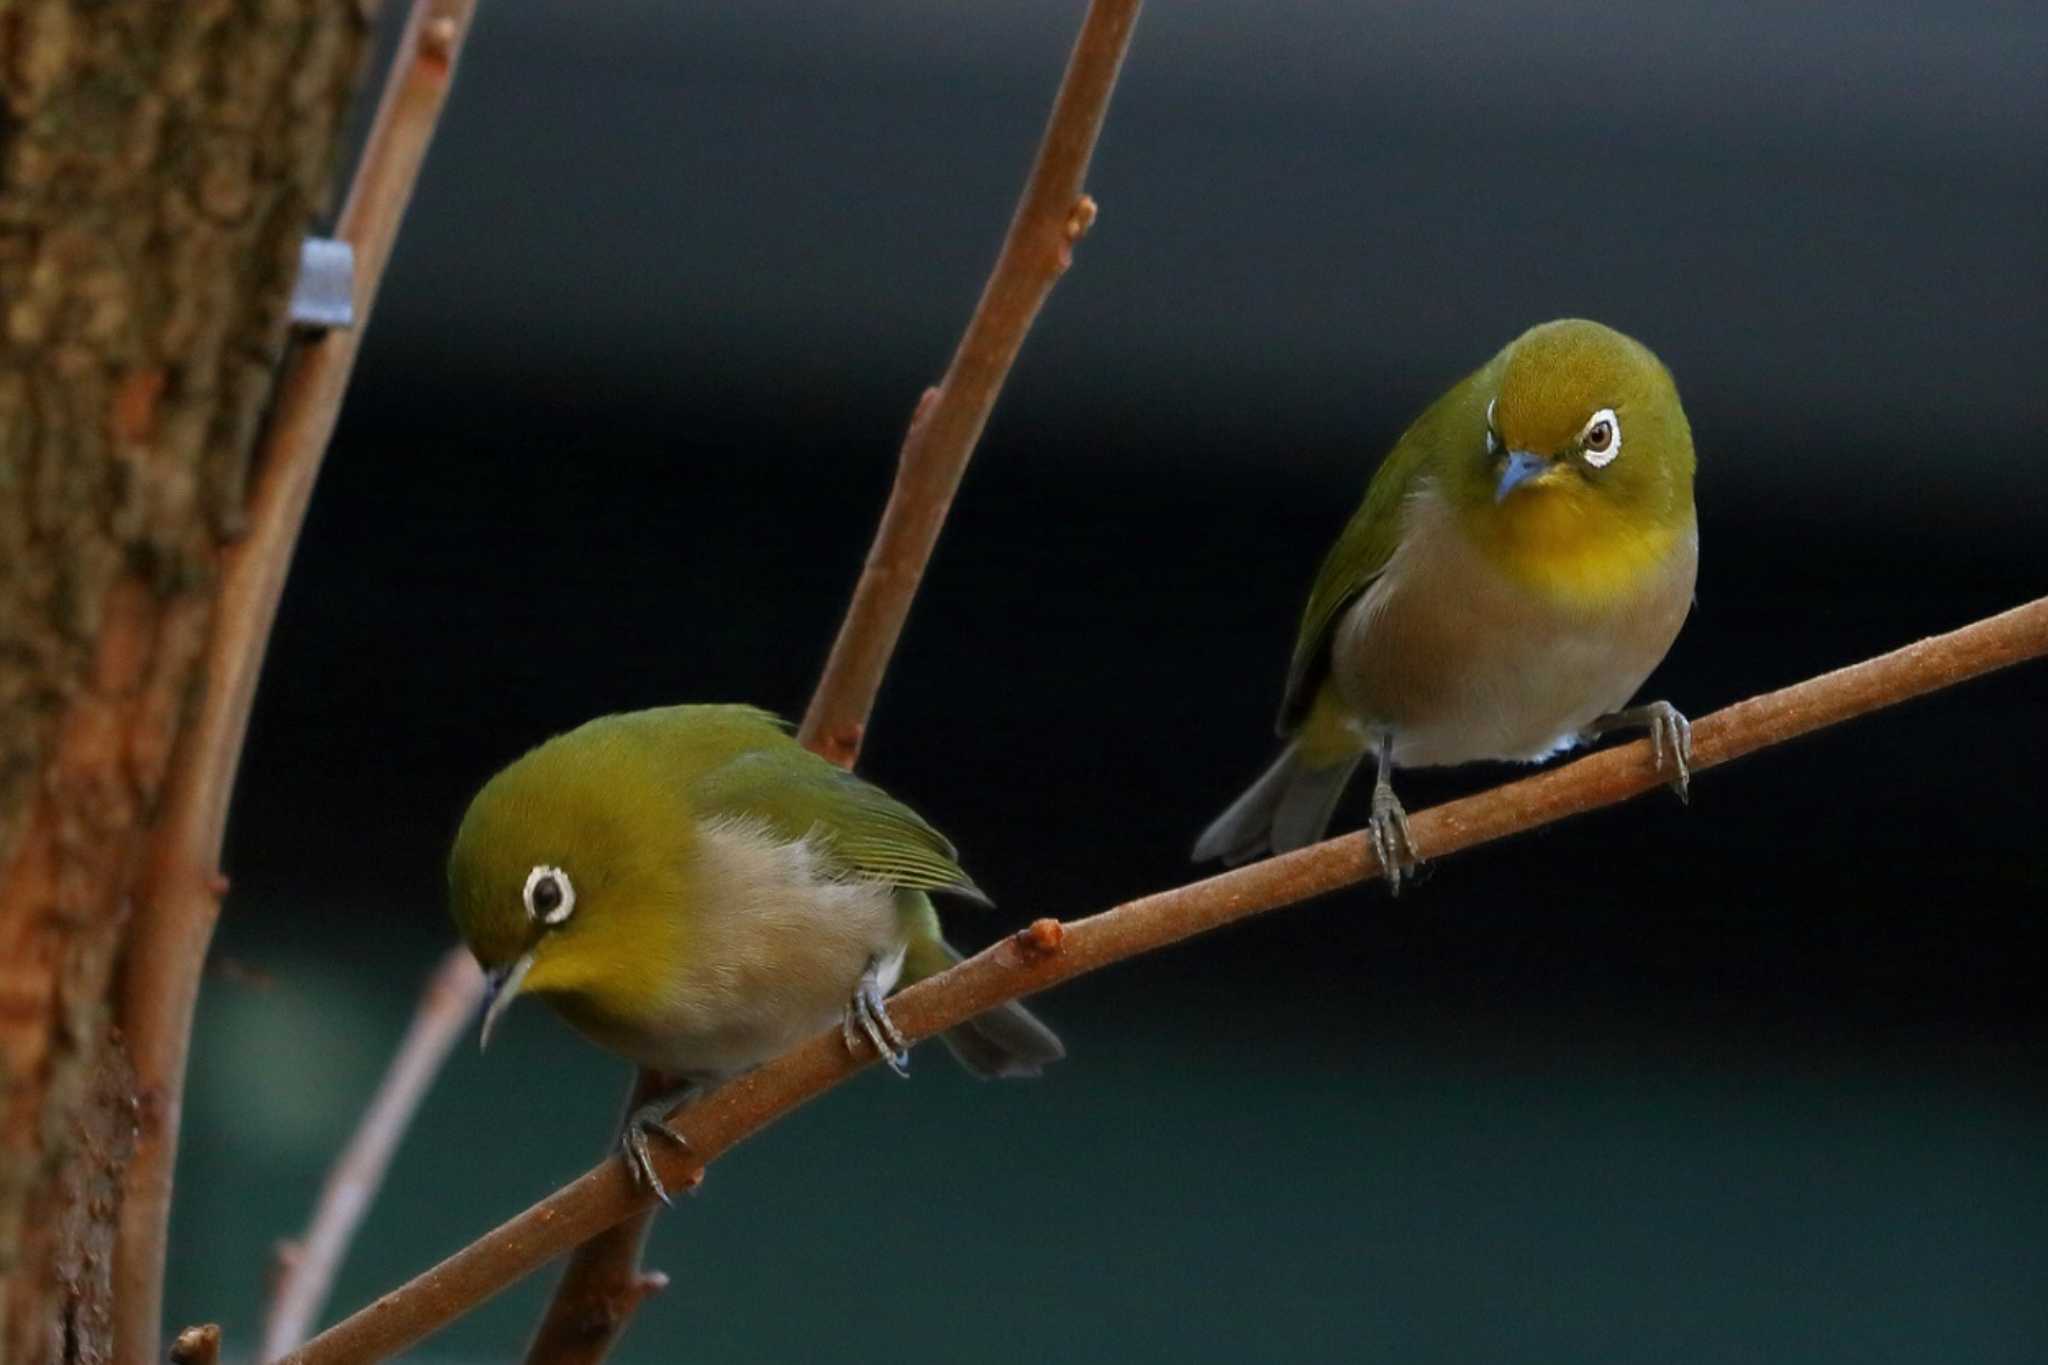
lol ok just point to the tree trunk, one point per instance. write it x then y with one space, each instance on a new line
159 164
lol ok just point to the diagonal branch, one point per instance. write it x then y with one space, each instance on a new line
602 1284
1051 217
1049 952
309 1266
182 889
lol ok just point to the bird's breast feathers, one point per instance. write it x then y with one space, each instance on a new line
768 954
1579 550
1465 650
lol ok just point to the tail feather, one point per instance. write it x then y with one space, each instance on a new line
1305 811
1007 1041
1288 807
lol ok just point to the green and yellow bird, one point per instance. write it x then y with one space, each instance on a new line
1523 558
695 891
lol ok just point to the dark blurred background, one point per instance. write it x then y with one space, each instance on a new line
1760 1079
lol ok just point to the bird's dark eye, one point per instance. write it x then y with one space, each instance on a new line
1601 440
550 898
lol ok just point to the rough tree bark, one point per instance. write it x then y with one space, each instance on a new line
158 167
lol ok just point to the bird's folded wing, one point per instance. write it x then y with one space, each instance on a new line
859 827
1360 555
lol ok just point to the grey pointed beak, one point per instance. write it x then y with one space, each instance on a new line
1521 467
501 988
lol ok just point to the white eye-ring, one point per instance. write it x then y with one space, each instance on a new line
1601 440
549 896
1492 441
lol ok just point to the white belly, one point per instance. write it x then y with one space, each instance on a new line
776 951
1461 663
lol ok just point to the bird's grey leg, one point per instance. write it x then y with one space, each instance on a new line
1389 826
650 1120
1670 738
867 1017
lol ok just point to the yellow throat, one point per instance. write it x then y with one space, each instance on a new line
1573 547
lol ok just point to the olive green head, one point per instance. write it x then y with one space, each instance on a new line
569 869
1570 460
1574 411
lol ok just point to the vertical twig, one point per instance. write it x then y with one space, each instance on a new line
1052 215
180 898
602 1284
310 1264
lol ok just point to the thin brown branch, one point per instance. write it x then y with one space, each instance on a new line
445 1010
1050 218
1049 952
180 899
603 1284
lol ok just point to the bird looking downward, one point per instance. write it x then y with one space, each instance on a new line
1523 559
695 891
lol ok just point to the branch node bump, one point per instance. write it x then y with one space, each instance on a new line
197 1345
1040 939
842 746
437 38
1081 218
285 1256
910 453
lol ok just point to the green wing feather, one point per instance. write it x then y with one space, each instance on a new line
1358 557
1455 421
863 830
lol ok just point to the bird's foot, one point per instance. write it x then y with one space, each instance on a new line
1390 838
1670 739
648 1122
867 1017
